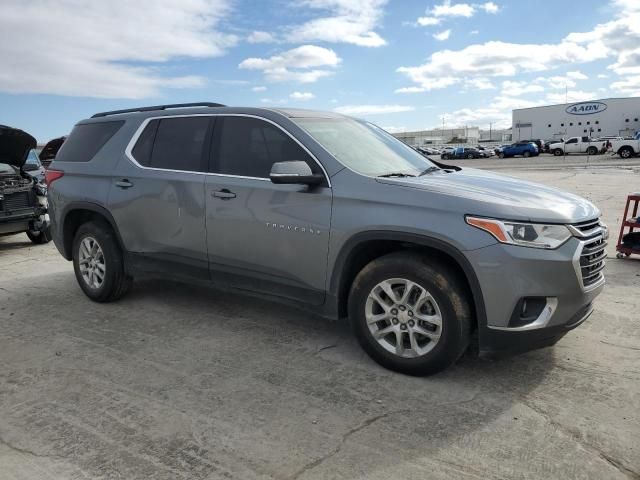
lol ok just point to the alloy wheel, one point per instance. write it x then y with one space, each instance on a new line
92 262
403 317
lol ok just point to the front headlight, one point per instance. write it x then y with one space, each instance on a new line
534 235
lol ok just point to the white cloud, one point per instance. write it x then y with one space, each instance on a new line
441 36
373 109
259 89
602 75
435 15
577 75
474 32
302 96
260 37
409 90
556 82
571 96
490 7
629 86
349 21
428 21
304 64
103 49
480 83
446 9
515 89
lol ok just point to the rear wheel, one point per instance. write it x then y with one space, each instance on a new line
98 263
470 155
592 151
410 313
501 155
40 237
526 154
557 152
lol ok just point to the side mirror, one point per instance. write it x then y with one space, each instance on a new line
294 172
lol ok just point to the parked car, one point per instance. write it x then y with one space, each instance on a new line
445 152
34 167
428 151
526 149
23 200
626 148
332 214
462 152
578 145
50 150
547 144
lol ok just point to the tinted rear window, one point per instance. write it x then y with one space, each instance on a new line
179 144
86 140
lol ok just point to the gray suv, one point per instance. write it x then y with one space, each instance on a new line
331 214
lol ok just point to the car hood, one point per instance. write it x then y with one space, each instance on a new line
15 146
483 193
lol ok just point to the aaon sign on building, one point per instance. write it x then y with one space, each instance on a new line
586 108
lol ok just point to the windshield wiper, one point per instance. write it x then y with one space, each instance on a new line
396 175
429 170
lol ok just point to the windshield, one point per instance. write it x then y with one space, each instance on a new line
364 147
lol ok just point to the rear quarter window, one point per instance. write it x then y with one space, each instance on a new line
86 140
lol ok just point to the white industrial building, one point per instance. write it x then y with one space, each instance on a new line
439 136
596 118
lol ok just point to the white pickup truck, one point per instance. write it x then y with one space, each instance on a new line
578 145
627 148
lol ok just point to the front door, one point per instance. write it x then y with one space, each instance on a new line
571 146
264 237
157 196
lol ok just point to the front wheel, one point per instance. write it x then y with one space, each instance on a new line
98 263
526 154
410 313
470 156
626 152
501 155
592 151
557 152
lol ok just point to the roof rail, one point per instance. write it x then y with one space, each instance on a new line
158 107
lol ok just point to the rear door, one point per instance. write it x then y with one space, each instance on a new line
157 195
264 237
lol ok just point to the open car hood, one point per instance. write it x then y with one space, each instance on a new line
15 145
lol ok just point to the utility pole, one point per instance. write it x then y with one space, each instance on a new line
490 137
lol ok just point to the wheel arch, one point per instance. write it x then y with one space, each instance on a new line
364 247
77 213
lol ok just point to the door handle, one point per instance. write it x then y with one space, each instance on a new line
224 194
124 183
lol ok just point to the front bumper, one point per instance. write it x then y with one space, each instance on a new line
510 273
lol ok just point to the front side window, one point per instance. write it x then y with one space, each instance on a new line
248 147
364 147
572 140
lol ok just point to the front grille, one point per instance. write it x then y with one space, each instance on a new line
592 261
587 225
15 201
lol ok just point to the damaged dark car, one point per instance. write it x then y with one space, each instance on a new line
23 197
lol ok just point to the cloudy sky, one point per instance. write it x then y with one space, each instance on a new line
404 64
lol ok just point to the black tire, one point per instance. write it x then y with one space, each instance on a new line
625 152
448 290
116 282
501 155
40 237
592 151
444 156
526 154
470 156
558 152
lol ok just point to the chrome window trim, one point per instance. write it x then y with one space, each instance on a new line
134 139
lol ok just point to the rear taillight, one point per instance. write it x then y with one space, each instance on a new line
51 176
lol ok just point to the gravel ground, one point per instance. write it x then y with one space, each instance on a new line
177 381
